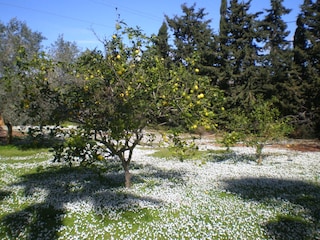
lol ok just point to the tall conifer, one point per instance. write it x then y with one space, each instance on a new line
306 57
194 39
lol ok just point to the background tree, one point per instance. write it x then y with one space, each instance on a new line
306 57
64 55
240 51
194 39
282 79
40 99
257 125
64 51
13 37
224 75
161 42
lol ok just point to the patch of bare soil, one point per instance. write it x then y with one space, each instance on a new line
304 146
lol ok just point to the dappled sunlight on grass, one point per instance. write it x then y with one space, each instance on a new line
220 196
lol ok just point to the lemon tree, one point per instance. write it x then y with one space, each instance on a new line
115 94
119 92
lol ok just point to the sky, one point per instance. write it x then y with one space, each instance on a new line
86 21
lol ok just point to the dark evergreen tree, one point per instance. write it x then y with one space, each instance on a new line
161 42
281 79
306 57
224 75
238 51
194 39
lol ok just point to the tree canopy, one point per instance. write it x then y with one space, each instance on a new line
196 84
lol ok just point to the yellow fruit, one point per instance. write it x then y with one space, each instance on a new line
114 36
196 87
197 70
137 51
194 126
200 96
118 56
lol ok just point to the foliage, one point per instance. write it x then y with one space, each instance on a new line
14 36
182 98
193 39
257 126
161 42
137 81
118 94
306 57
182 148
239 59
229 139
37 137
78 147
40 100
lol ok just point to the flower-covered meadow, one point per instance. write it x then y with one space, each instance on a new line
217 197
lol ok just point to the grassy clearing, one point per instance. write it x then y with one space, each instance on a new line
169 199
14 151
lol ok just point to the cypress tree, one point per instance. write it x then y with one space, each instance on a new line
281 79
193 39
161 41
222 64
239 51
306 57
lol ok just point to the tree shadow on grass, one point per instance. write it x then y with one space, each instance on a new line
56 191
300 221
4 194
232 156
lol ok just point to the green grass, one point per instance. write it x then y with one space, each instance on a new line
243 210
14 151
168 153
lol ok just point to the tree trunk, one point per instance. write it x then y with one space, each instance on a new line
9 134
125 164
127 174
259 153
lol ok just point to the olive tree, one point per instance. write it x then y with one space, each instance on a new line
14 36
